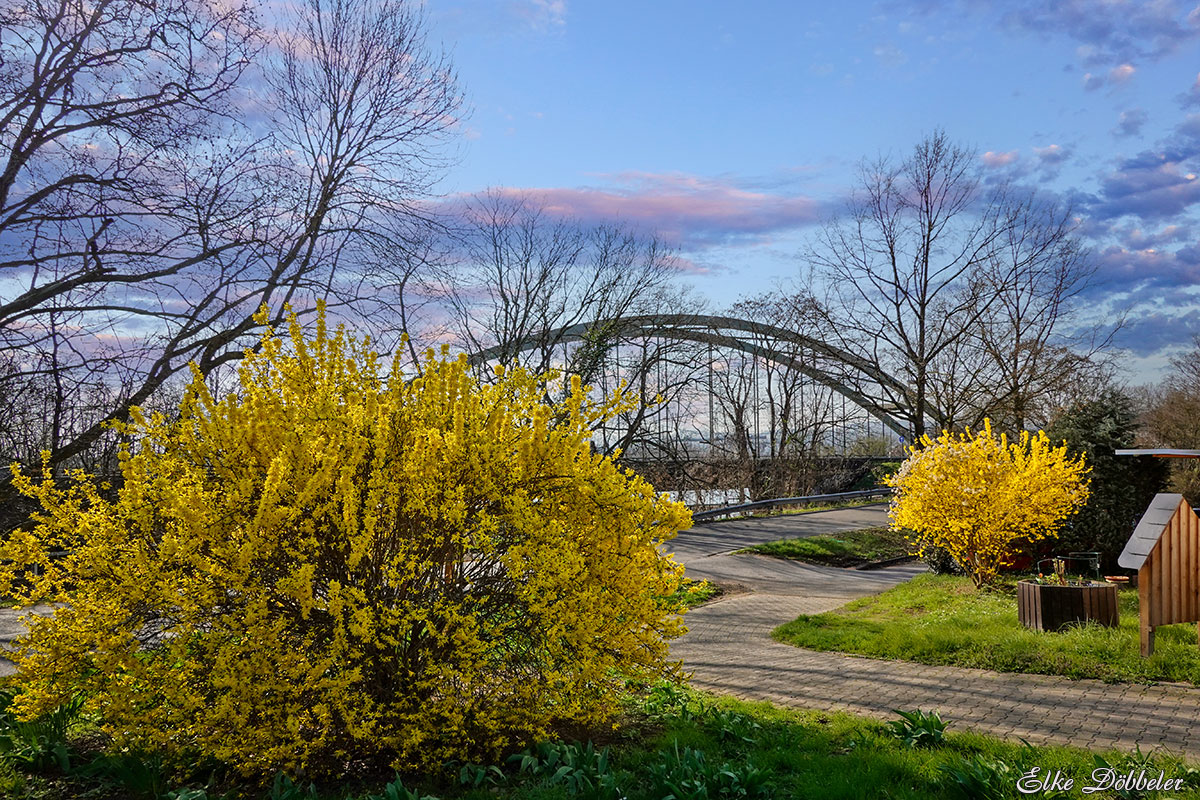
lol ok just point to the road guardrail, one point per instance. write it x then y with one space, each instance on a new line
758 505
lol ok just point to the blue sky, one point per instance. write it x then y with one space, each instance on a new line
733 131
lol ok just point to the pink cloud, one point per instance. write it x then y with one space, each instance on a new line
993 159
684 210
690 266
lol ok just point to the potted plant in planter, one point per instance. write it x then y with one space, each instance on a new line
1052 603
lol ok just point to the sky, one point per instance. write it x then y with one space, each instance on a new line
733 132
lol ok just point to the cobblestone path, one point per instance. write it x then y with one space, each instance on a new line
729 650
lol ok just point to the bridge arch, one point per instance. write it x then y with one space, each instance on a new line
708 329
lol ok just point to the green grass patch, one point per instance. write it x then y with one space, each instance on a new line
847 549
692 593
673 742
943 619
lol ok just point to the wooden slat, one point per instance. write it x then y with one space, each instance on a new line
1193 565
1164 580
1187 608
1179 577
1156 585
1184 589
1193 585
1022 608
1185 580
1174 549
1026 607
1146 625
1038 621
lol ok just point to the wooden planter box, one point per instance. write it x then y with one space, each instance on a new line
1047 607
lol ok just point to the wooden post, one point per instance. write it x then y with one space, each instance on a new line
1144 579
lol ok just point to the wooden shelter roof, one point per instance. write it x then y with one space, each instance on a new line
1149 529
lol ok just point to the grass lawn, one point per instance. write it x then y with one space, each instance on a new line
941 619
674 743
847 549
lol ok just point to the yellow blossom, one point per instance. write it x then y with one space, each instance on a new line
328 565
976 495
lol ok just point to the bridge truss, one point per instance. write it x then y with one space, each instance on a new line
861 382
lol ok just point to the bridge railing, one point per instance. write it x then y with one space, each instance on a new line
779 502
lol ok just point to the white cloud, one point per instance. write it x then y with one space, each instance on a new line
1120 74
553 11
1051 154
890 55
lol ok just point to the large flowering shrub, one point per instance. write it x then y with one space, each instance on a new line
326 565
976 495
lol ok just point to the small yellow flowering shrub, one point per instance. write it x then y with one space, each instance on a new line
976 495
327 566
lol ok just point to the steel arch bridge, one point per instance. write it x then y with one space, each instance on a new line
719 331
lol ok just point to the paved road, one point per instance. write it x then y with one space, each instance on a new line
728 649
711 538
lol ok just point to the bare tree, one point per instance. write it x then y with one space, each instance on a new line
524 279
800 413
157 188
663 375
958 381
778 421
551 293
1033 352
900 268
1187 368
965 296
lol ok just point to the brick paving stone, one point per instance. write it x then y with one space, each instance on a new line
728 649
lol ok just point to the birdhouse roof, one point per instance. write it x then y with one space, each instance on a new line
1149 529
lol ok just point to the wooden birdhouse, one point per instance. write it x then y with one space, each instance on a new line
1165 550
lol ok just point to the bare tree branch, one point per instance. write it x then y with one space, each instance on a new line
169 168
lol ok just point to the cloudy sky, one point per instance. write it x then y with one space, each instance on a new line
733 131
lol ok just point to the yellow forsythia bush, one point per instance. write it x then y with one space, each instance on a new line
328 566
976 495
